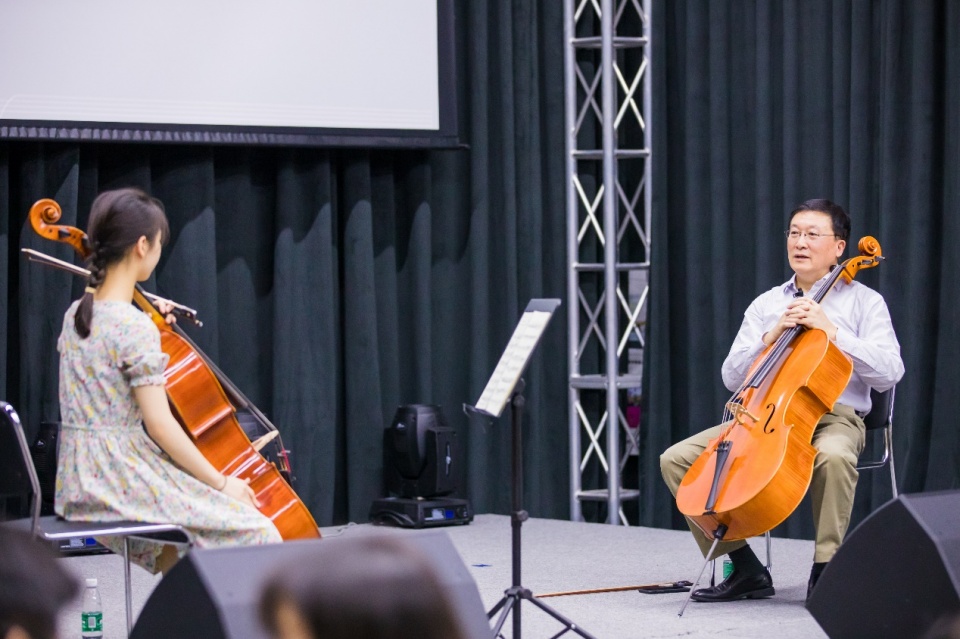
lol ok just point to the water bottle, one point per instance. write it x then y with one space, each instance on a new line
727 568
92 612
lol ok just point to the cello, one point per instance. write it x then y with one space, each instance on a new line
754 475
198 394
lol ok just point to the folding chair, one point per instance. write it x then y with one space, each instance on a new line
18 476
881 416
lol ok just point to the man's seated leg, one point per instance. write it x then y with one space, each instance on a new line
750 578
677 460
839 438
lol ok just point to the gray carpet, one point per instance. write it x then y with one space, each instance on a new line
562 556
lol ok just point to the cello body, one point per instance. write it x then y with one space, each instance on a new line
199 403
756 497
195 390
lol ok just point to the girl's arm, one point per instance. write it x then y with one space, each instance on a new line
164 429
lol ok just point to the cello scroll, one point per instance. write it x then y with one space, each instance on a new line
870 255
44 215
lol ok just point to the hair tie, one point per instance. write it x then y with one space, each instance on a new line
90 290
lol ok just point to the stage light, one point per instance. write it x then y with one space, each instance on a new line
421 461
419 452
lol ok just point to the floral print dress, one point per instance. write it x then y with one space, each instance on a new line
109 469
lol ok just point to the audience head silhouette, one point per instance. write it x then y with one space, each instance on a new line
381 588
33 588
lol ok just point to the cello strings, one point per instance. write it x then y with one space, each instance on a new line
773 356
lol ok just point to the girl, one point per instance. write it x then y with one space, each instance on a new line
112 385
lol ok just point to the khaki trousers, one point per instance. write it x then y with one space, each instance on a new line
838 438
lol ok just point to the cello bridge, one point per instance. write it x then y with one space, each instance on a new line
738 411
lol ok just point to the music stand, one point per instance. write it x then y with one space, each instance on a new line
506 386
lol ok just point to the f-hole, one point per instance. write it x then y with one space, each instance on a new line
766 426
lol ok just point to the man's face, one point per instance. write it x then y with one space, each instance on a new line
809 258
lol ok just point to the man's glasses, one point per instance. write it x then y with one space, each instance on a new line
811 236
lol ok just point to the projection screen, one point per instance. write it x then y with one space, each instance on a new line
304 72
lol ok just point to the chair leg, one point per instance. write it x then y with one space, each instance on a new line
769 552
893 472
126 584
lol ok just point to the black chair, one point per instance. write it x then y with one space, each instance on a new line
881 417
18 476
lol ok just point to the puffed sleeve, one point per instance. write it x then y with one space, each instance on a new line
138 351
68 324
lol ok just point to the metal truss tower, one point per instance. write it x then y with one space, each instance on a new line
608 109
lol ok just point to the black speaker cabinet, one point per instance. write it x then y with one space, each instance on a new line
43 451
214 593
897 573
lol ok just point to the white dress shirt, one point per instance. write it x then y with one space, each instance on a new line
864 332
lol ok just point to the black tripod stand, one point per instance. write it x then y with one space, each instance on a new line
513 595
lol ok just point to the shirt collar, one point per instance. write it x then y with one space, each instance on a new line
790 286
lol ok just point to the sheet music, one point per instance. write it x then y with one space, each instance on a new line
513 361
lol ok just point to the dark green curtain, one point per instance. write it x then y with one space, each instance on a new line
337 284
759 106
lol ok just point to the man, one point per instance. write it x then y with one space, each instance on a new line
34 586
857 320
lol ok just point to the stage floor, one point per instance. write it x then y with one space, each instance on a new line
561 556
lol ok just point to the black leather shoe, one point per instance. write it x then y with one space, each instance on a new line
737 586
814 577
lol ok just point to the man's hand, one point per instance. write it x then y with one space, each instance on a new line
802 311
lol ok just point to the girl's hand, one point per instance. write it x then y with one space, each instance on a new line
166 309
240 490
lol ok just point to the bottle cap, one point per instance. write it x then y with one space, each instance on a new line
91 582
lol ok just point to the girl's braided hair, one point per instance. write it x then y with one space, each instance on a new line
118 219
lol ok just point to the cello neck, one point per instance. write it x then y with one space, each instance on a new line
236 395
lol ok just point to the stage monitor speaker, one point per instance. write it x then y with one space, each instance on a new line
896 574
214 593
